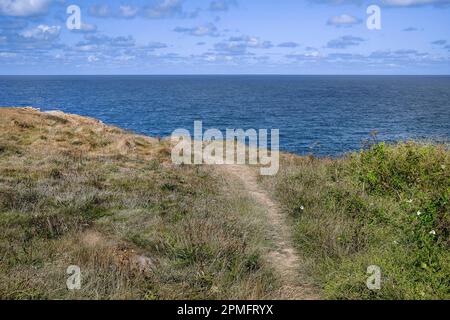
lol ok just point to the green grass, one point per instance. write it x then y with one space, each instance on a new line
386 206
76 192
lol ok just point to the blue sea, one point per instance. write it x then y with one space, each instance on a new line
322 115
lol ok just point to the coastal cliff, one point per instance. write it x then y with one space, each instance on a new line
76 192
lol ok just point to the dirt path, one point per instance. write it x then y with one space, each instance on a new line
283 255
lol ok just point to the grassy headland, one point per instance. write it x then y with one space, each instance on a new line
76 192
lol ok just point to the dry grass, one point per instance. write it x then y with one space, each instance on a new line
74 191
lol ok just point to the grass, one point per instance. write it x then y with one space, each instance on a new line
76 192
386 206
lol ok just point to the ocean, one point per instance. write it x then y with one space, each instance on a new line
320 115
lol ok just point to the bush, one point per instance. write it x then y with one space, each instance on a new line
386 206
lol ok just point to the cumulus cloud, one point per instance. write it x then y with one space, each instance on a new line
288 45
165 9
92 58
221 5
415 3
410 29
442 43
31 40
155 45
398 58
344 42
240 45
127 11
392 3
24 8
120 41
439 42
398 55
343 20
86 28
344 56
118 49
159 10
305 56
337 2
105 11
7 54
252 42
100 11
42 33
11 24
200 31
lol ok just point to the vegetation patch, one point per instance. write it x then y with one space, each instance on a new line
76 192
386 206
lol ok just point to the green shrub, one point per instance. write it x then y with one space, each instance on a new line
386 206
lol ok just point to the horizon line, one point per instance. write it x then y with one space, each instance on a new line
220 74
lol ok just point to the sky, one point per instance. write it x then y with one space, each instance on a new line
224 37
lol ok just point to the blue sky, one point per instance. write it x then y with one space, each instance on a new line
225 37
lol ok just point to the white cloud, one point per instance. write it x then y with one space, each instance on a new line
105 11
125 58
222 5
393 3
100 11
337 2
158 9
87 27
166 9
7 54
252 42
305 57
127 11
200 31
42 33
92 59
86 47
23 8
240 45
343 20
412 3
288 45
344 42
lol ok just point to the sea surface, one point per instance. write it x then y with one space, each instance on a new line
321 115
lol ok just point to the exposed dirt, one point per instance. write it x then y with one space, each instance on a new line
283 255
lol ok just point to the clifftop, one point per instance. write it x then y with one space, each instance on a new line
74 191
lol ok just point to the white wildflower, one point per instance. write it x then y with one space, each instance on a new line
432 232
419 213
302 208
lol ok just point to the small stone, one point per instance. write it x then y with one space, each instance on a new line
143 263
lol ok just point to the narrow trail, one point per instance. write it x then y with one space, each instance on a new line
282 256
